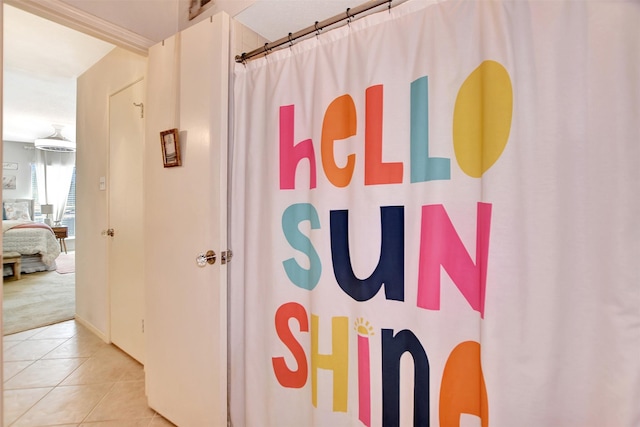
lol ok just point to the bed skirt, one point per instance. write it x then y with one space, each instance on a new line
29 264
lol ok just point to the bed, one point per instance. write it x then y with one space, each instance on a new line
34 241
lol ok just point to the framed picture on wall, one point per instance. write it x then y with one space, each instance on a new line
170 148
9 182
196 7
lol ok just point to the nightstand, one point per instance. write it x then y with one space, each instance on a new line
61 234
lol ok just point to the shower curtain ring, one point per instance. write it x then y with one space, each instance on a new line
290 42
317 30
348 17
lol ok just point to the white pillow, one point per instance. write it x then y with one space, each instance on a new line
17 210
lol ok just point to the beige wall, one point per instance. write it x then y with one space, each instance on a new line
115 71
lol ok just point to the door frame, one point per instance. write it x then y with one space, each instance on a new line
79 20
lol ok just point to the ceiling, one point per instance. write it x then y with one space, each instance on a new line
40 71
42 59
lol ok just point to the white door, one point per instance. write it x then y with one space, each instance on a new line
126 279
185 215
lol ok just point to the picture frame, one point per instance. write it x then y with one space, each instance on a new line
9 182
170 143
196 7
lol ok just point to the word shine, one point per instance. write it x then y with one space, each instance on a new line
462 388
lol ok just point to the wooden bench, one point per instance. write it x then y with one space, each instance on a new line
12 258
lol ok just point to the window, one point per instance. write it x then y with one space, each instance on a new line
69 218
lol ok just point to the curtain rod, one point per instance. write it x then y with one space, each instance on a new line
316 28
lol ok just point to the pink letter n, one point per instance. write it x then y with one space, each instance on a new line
440 245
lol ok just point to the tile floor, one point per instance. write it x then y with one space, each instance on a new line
64 375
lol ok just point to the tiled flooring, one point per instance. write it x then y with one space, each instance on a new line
63 375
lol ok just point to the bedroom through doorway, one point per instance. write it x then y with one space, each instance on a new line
39 253
41 63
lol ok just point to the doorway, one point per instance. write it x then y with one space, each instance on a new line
41 61
125 64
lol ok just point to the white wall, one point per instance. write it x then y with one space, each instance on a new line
118 69
23 155
115 71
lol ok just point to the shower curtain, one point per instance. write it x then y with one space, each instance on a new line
435 220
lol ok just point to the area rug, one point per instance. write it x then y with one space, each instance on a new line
38 299
66 263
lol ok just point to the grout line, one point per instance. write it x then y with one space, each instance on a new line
33 337
34 404
5 379
112 383
97 403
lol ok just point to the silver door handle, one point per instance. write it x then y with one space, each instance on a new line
203 259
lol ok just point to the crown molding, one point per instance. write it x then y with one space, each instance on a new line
69 16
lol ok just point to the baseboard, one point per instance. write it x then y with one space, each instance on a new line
92 328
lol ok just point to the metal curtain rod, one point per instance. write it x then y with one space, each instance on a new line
316 28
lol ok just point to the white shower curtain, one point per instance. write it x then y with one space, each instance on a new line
435 220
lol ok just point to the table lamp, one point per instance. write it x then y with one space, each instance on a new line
47 210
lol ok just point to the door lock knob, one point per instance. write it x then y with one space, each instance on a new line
207 258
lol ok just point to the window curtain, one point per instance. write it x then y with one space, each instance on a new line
435 220
54 172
